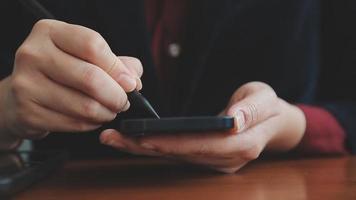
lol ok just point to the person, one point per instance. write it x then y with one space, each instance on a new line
283 69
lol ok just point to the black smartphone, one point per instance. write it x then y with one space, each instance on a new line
149 126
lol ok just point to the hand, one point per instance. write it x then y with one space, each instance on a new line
263 121
65 78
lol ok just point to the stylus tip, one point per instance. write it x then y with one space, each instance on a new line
138 99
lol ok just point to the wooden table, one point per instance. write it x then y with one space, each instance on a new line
148 178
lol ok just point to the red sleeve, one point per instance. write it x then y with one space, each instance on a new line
323 135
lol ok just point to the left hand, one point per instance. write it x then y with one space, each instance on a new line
263 121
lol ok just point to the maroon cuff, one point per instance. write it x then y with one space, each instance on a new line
323 134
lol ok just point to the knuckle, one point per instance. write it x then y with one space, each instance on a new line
91 109
90 79
28 50
269 92
95 44
43 24
255 86
25 54
18 86
258 85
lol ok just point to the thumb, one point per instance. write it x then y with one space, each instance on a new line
254 109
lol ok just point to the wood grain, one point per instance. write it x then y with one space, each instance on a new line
149 178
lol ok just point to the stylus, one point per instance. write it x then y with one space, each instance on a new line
137 99
134 97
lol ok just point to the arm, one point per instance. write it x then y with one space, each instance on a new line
323 135
336 88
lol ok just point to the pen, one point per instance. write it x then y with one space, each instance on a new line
135 97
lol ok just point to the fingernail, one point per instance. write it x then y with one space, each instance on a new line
127 106
138 84
240 119
104 139
127 82
148 146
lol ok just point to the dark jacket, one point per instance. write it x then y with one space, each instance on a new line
302 48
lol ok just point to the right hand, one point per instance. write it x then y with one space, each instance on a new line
65 79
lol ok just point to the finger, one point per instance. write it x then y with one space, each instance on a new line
133 64
43 119
254 108
89 45
135 67
191 144
71 102
115 139
246 145
218 164
86 77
